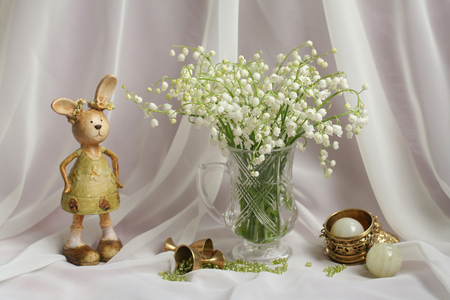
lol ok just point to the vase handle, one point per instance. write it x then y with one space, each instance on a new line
203 169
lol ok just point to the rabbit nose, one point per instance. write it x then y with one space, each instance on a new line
98 126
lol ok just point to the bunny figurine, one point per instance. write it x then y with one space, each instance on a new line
91 187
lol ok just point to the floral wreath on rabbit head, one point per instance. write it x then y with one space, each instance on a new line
100 103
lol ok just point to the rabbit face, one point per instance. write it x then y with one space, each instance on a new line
92 127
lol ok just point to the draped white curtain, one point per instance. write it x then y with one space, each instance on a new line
397 168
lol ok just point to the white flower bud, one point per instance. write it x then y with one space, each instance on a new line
335 145
255 173
276 131
280 57
258 137
237 131
329 130
280 143
154 123
244 73
260 94
213 132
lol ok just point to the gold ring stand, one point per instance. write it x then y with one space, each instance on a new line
353 250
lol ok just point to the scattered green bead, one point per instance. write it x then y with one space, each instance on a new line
308 264
166 275
256 267
236 266
331 270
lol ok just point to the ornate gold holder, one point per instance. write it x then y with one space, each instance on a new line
353 250
201 251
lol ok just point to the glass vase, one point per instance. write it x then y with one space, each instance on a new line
261 209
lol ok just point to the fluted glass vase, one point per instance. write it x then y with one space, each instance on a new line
261 208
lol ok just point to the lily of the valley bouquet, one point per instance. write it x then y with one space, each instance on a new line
247 107
262 114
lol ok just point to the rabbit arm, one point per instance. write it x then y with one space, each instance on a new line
62 168
115 164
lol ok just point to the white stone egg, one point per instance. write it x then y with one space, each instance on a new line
383 260
346 227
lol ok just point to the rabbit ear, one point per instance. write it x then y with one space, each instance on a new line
64 106
105 88
69 108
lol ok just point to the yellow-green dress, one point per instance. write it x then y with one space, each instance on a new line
93 186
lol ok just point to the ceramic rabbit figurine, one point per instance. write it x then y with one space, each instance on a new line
91 186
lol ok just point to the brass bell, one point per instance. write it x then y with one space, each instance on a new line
169 245
201 252
205 247
184 253
216 258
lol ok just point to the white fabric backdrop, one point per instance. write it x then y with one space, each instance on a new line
397 169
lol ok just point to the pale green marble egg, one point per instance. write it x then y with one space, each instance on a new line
383 260
346 227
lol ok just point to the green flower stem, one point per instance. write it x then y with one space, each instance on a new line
259 199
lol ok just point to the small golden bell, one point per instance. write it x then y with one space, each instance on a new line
201 252
184 253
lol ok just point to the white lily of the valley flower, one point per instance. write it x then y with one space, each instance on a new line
154 123
243 105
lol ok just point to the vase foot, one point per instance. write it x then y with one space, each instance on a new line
261 253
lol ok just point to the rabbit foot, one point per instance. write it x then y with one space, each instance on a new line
108 248
82 256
